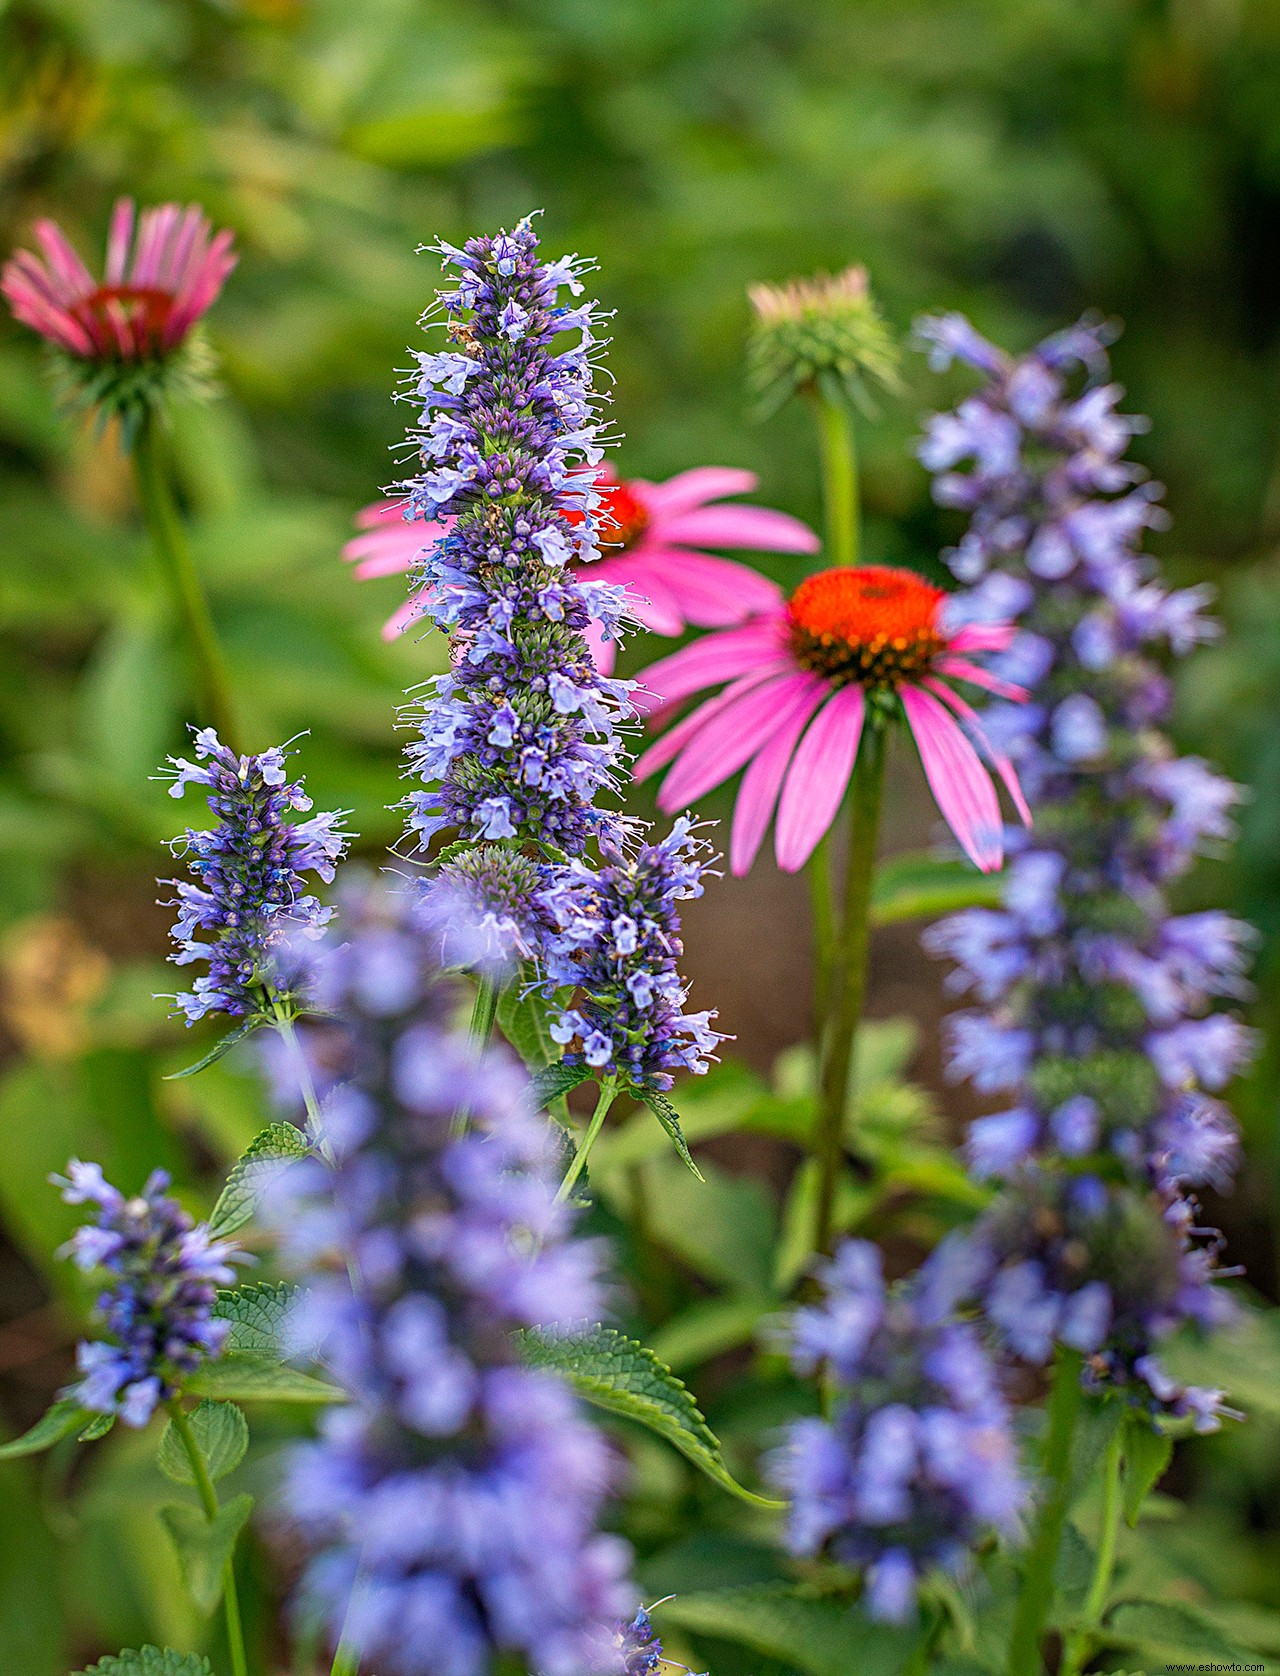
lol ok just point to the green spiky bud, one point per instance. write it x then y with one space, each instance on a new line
823 334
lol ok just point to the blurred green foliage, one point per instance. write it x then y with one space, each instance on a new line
1020 159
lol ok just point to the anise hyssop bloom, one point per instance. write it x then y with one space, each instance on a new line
799 680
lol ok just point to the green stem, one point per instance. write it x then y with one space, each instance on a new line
839 457
1080 1643
484 1010
822 909
608 1089
169 538
209 1502
289 1036
1036 1595
848 983
346 1661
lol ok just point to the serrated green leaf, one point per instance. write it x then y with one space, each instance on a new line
819 1637
66 1416
222 1433
615 1373
522 1018
223 1045
257 1313
553 1082
244 1376
269 1152
1161 1630
150 1661
204 1546
1146 1456
669 1118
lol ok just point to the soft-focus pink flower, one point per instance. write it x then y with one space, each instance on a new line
652 534
154 289
793 707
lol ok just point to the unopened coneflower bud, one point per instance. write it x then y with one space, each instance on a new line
820 335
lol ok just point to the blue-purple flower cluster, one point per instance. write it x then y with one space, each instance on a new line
158 1307
1095 1005
614 936
452 1507
918 1461
521 736
249 892
640 1649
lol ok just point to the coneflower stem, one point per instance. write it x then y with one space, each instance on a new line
169 539
1080 1642
822 912
1042 1558
848 981
608 1089
839 459
209 1502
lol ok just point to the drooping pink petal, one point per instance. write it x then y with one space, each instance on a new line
950 665
999 760
818 777
692 488
762 780
757 527
674 740
603 653
982 637
956 777
711 592
721 747
717 658
34 309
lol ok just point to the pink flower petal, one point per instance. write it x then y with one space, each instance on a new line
1001 762
818 777
760 784
718 657
603 652
721 747
757 527
652 603
956 777
711 592
692 488
982 637
676 738
118 240
980 677
400 619
73 279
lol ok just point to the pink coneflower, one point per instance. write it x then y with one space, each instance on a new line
651 534
798 679
154 289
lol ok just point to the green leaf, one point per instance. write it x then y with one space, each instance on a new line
205 1545
66 1416
617 1374
819 1637
1243 1360
223 1045
33 1567
244 1376
553 1082
669 1118
922 886
257 1314
522 1018
708 1328
222 1434
1161 1630
98 1427
1146 1456
150 1661
721 1226
268 1153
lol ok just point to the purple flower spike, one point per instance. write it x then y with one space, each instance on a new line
451 1508
918 1462
521 736
616 935
158 1306
248 890
1097 1014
